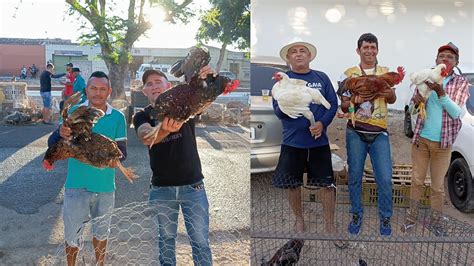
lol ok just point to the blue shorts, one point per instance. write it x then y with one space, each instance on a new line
47 99
80 206
294 162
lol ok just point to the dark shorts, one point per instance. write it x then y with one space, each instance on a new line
294 162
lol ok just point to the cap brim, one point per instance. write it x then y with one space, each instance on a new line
447 47
311 48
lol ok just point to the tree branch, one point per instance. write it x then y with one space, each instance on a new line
102 7
82 10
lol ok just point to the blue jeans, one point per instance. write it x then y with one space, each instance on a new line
195 208
80 206
380 156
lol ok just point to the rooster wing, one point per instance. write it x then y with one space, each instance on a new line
294 104
318 98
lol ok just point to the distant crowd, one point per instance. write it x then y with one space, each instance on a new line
30 72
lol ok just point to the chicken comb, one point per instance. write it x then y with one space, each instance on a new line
231 86
448 68
401 73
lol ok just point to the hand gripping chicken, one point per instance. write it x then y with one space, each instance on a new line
294 97
436 75
85 146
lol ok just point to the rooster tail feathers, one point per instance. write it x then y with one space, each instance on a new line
318 98
176 69
74 99
325 103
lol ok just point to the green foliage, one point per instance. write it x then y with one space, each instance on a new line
227 22
114 33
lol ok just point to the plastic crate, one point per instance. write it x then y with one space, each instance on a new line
400 195
401 175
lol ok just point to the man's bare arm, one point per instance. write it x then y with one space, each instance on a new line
146 128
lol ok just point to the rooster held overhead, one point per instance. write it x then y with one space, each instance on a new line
294 97
185 100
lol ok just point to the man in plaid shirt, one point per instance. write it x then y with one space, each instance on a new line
435 135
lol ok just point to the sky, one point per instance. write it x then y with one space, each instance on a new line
49 19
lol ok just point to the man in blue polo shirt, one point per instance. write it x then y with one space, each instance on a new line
89 191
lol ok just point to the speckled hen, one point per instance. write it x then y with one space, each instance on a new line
186 100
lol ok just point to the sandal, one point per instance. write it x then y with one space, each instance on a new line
341 244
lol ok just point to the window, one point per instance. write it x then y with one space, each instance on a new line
261 77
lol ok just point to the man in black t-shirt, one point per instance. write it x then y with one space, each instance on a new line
45 91
177 179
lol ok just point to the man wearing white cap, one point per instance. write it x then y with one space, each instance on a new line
300 151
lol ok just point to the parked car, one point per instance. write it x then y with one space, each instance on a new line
228 74
161 67
461 169
265 127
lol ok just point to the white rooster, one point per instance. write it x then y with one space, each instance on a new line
294 97
435 75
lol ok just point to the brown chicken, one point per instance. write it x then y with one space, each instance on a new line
369 87
88 147
185 100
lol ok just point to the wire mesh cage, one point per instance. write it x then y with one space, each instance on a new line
277 237
134 235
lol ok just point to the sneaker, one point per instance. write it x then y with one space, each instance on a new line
356 223
407 226
385 227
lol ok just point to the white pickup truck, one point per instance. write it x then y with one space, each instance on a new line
161 67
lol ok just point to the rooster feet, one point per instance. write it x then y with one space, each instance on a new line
128 172
153 134
422 110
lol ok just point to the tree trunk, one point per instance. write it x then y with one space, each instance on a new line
117 75
221 57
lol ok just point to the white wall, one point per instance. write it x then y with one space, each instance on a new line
409 36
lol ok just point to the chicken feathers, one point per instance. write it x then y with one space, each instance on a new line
85 146
196 59
436 75
185 100
369 86
294 97
288 254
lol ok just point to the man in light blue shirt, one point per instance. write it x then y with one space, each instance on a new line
434 136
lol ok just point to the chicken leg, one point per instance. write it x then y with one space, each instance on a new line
153 132
309 115
422 110
127 172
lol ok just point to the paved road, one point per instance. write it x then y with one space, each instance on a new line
25 186
29 195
